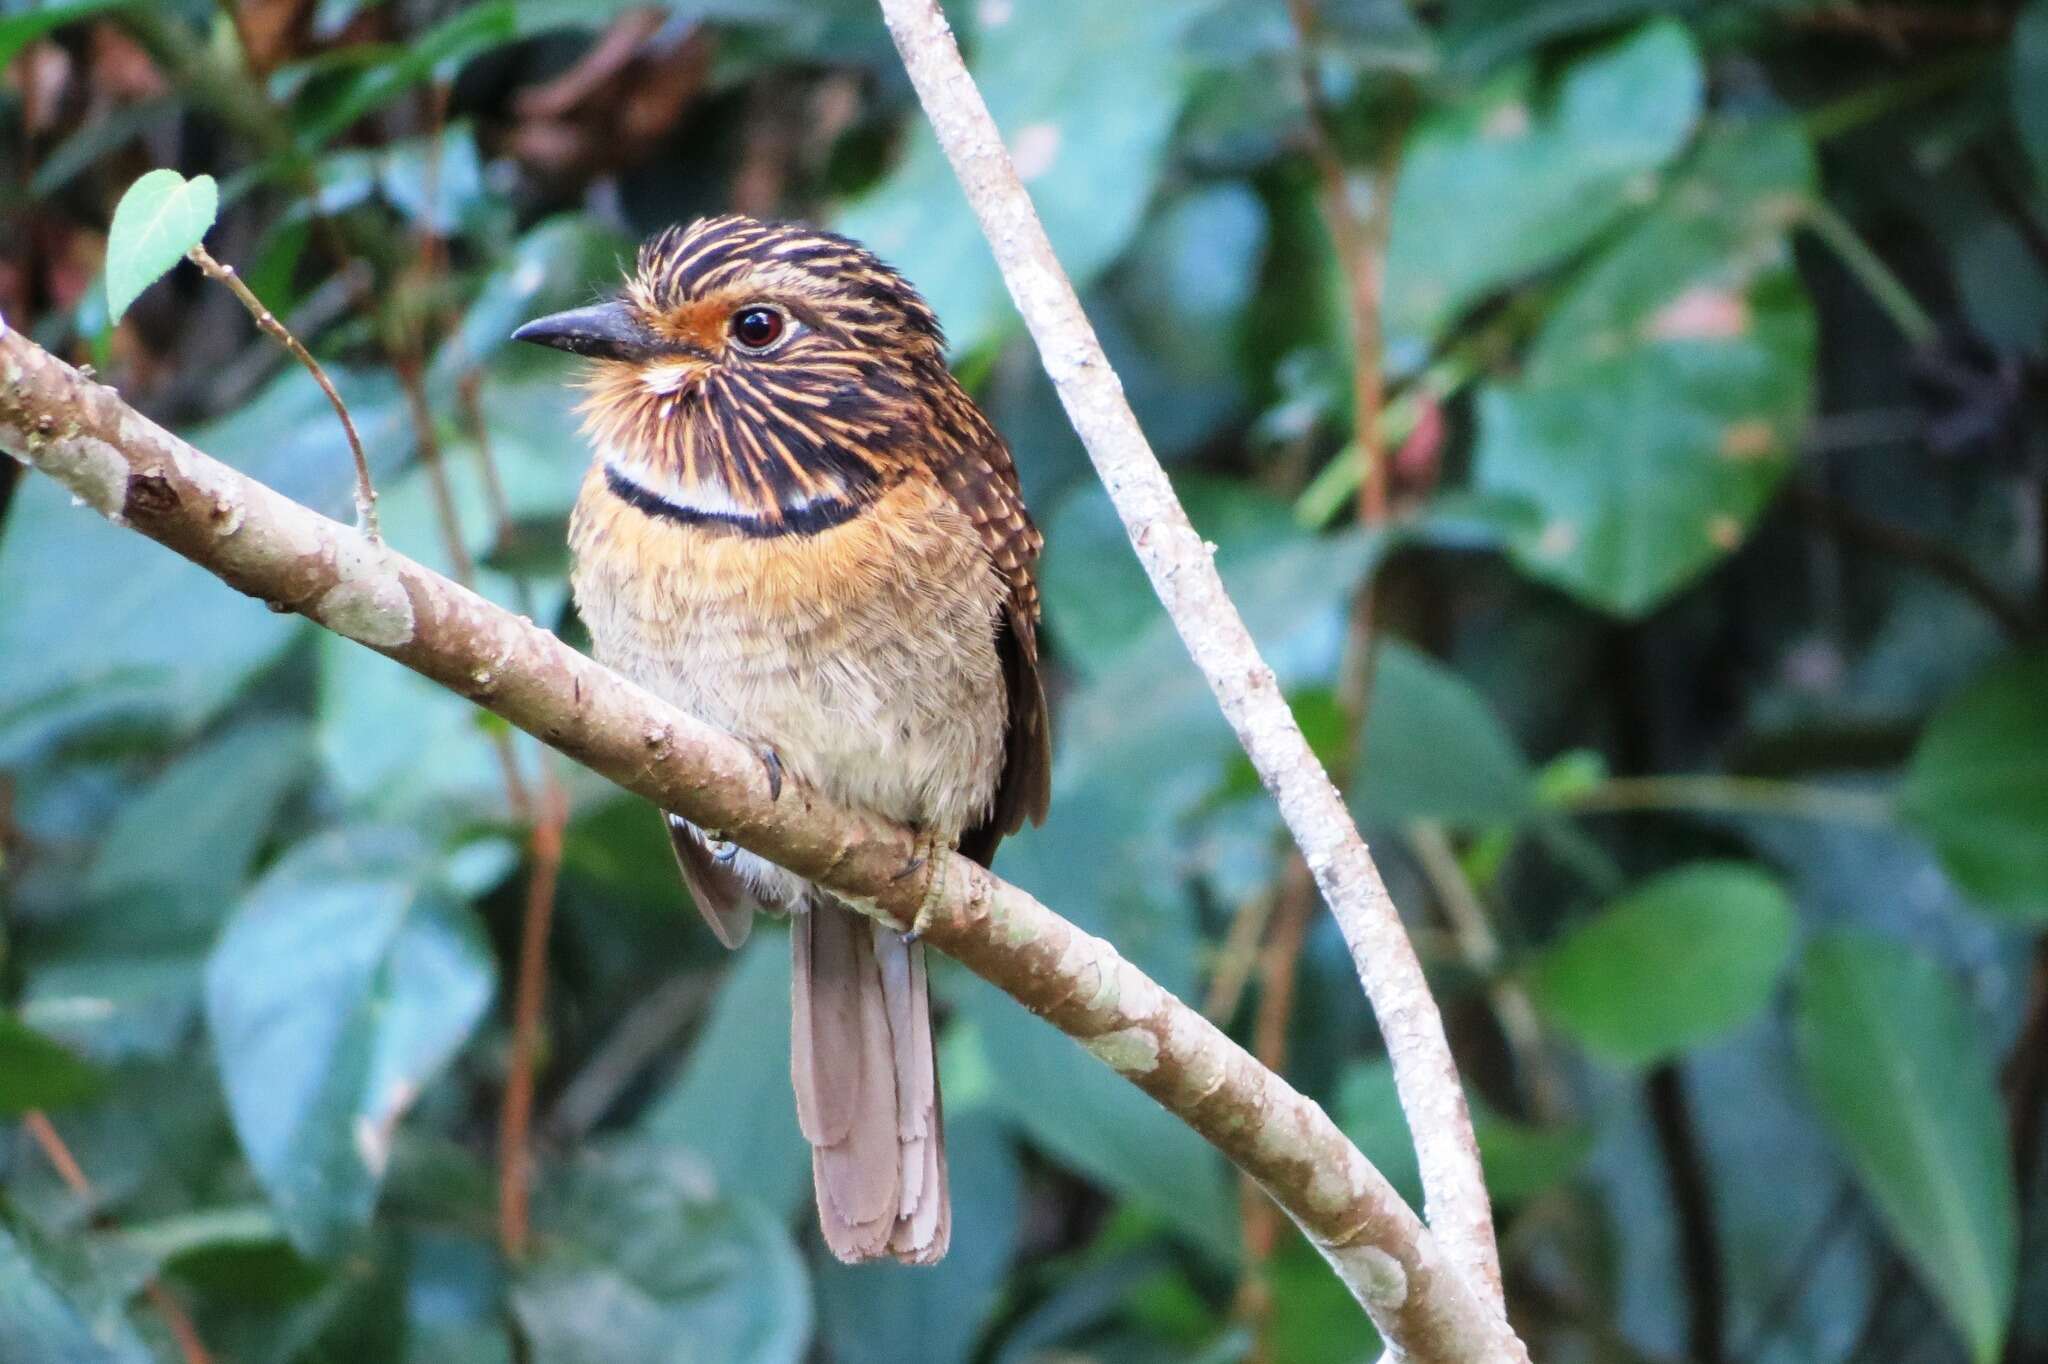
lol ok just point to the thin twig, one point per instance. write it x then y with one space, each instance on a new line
1885 288
1479 948
191 1349
1699 1241
411 379
1238 956
1185 578
1716 793
516 1117
261 543
1293 904
1361 245
1941 561
648 1030
366 494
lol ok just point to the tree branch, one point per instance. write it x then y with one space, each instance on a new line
1183 575
262 543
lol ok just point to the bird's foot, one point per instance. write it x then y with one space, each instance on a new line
932 851
772 762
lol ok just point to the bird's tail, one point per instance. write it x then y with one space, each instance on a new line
867 1087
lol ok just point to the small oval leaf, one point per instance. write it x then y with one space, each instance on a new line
161 217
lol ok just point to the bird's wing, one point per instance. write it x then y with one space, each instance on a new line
982 480
721 897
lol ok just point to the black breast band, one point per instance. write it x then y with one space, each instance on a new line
809 519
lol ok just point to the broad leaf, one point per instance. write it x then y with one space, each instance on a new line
1517 177
48 1318
344 983
1663 396
161 217
121 974
18 30
1899 1069
36 1072
1102 1125
1434 748
1086 95
1676 962
640 1261
2029 82
732 1103
127 629
1978 787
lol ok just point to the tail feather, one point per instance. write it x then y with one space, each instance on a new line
867 1089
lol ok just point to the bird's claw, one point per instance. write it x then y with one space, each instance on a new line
772 761
931 850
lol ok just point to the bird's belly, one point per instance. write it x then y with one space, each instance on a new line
864 655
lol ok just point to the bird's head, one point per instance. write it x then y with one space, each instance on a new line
754 367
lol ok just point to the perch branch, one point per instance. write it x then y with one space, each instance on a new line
1186 580
262 543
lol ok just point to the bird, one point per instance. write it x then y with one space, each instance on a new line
797 526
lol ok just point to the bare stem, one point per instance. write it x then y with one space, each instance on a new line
1472 933
1714 793
515 1119
177 1321
366 495
1185 579
1361 244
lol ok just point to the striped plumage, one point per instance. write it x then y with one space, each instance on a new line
818 543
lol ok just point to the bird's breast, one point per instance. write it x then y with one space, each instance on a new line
864 653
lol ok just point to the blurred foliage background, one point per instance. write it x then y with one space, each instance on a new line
1685 668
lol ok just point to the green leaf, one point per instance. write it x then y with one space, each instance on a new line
1102 1125
161 217
345 981
388 71
641 1262
396 745
1663 396
19 30
121 974
877 1314
123 628
36 1072
1678 961
1086 95
196 829
2029 82
1502 183
1479 33
1434 749
1978 787
1899 1069
732 1103
1520 1160
48 1320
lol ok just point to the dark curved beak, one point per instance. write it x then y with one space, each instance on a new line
606 331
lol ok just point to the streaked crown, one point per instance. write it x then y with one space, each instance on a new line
754 370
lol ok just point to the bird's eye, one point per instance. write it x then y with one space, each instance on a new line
757 328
